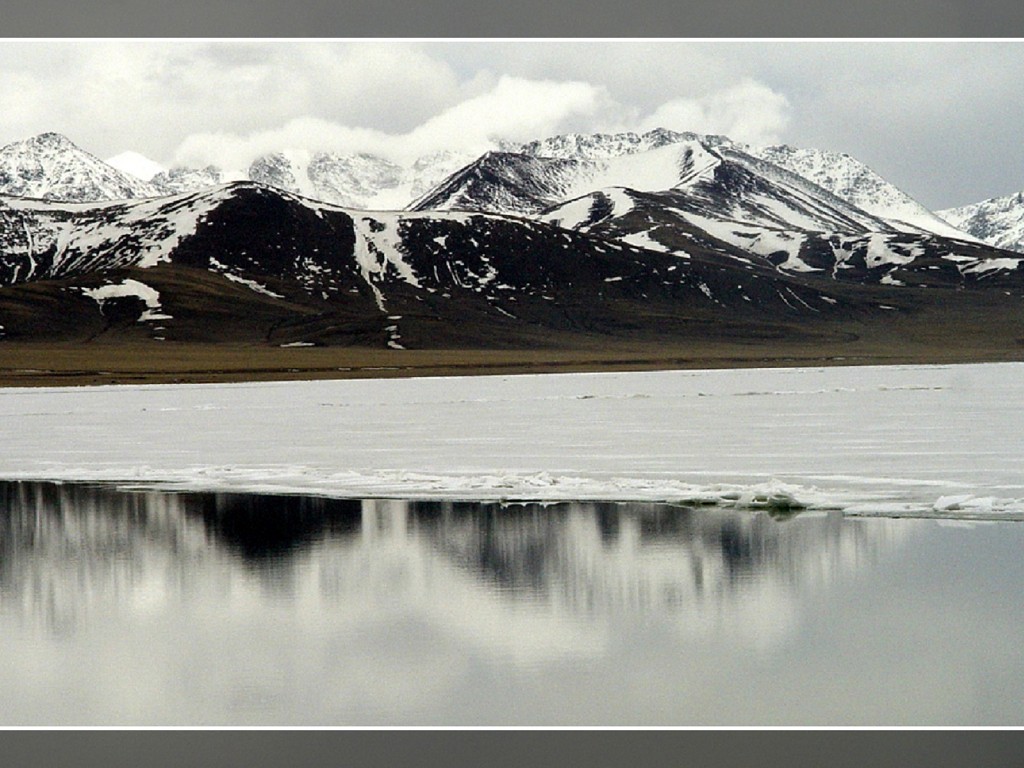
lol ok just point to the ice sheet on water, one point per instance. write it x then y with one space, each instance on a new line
771 496
932 441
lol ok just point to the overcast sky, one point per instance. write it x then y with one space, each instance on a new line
942 120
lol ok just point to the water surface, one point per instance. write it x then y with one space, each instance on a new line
149 607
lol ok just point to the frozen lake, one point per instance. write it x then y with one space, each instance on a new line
900 440
833 546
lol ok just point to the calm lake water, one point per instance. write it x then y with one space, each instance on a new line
162 608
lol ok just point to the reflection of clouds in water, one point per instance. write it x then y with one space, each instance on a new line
390 566
734 576
147 607
524 583
68 552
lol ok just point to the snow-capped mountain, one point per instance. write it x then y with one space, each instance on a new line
50 167
276 261
364 181
999 221
854 182
559 169
527 183
840 174
672 192
248 262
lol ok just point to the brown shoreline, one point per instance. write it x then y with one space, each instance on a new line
83 364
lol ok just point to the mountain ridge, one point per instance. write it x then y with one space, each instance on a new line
374 267
998 221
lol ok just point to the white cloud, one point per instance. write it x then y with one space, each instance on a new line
506 108
748 112
896 106
110 97
512 109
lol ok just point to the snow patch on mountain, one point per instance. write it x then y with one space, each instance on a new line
589 210
378 248
645 241
134 289
993 265
250 284
769 242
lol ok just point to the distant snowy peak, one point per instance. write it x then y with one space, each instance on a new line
50 167
352 179
275 170
856 183
999 221
596 146
136 165
178 180
362 180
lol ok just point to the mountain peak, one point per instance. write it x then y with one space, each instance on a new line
51 139
52 167
47 141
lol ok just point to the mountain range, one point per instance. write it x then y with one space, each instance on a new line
51 167
653 237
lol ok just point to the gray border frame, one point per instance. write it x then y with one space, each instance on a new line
538 749
527 18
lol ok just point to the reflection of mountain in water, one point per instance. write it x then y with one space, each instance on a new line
710 567
260 527
68 551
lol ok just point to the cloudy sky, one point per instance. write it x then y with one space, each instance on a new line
942 120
